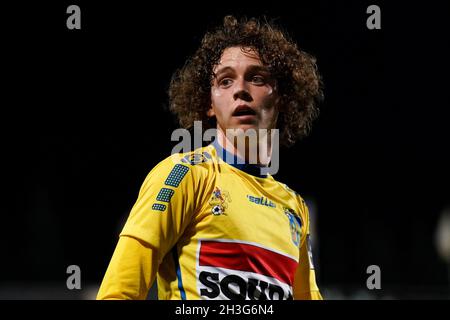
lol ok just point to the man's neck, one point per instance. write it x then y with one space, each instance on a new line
260 153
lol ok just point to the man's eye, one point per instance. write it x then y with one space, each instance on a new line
258 80
225 82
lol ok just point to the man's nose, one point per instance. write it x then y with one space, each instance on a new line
241 91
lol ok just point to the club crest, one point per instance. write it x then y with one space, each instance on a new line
219 201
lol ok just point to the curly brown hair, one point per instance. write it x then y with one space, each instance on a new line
295 71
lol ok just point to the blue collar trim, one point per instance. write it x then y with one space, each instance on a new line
237 162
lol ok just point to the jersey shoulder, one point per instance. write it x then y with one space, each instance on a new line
302 207
182 166
192 159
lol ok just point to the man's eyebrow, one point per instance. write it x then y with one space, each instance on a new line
223 70
258 68
251 68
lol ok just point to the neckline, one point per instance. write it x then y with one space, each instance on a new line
237 162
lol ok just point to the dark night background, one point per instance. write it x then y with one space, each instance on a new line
84 120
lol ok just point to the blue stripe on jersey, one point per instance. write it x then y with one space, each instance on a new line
178 270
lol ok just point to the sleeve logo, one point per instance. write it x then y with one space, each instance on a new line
295 225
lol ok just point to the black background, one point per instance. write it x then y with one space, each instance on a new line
84 119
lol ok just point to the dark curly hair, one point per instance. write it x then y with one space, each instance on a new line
295 72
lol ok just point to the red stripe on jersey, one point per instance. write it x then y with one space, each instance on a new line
246 257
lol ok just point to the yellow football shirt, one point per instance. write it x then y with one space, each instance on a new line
208 229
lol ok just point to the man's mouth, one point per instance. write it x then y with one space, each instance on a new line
243 110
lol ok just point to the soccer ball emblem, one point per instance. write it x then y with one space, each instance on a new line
217 210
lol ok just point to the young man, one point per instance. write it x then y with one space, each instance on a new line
213 229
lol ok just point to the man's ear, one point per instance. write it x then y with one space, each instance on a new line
210 113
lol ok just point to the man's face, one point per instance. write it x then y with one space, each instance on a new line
243 94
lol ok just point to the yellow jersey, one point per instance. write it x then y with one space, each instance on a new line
217 229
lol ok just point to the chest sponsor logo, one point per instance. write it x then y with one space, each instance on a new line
261 200
242 271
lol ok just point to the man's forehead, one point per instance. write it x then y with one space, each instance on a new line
236 55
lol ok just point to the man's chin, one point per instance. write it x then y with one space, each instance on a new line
245 127
246 131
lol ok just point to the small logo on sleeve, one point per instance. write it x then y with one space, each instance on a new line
295 225
196 158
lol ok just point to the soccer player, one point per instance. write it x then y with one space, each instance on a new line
205 225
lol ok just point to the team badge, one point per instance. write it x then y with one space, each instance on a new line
219 201
295 225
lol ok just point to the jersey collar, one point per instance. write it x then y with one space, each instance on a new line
237 162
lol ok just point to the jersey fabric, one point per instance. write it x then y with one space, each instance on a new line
217 229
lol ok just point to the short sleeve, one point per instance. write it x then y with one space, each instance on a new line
305 286
165 206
